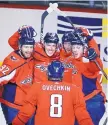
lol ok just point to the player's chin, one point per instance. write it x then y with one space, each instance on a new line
76 56
50 53
27 55
68 51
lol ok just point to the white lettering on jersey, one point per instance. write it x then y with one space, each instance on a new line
56 87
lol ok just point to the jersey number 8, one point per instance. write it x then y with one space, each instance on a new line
56 105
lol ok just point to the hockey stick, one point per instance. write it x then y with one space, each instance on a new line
101 69
44 15
49 10
68 19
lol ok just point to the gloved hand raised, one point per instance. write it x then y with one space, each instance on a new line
85 32
92 55
27 31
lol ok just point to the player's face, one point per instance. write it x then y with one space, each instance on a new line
77 51
27 50
50 48
67 47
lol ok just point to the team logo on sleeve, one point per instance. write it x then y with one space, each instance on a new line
68 65
27 80
13 58
41 67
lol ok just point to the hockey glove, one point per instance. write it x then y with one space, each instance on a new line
85 32
92 55
27 31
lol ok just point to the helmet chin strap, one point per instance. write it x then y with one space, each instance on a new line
19 46
21 54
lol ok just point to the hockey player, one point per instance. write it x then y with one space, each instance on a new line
44 53
58 102
89 73
66 50
16 75
65 55
23 31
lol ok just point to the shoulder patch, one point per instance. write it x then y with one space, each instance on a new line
13 58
